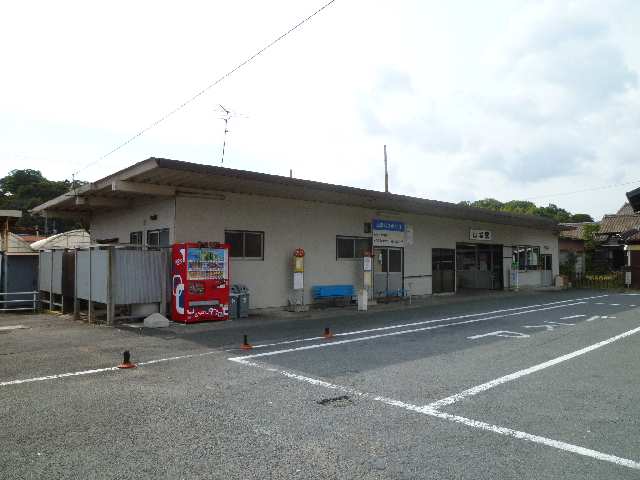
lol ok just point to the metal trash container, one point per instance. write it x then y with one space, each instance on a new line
243 299
233 305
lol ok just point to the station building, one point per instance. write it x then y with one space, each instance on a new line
419 246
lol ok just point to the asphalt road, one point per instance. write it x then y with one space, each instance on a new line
533 387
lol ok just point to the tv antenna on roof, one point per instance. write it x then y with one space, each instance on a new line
226 116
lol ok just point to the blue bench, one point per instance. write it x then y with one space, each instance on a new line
329 292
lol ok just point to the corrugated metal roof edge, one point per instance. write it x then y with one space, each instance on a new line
471 213
486 214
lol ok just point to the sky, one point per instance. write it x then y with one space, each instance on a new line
509 99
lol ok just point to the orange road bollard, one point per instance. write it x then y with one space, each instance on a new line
126 360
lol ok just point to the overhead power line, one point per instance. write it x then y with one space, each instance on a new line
208 87
593 189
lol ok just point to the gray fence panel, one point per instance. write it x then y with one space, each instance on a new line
99 266
44 271
57 271
138 276
82 274
99 270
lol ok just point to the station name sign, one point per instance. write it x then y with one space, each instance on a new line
475 234
387 233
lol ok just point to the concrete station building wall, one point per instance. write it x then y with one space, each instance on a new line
120 223
289 224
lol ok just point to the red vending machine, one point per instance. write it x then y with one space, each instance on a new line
200 282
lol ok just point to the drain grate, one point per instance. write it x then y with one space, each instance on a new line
341 401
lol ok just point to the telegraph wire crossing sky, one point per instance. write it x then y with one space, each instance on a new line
512 100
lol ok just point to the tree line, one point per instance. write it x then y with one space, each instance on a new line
522 206
25 189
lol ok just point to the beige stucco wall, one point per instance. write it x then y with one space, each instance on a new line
313 226
288 224
120 223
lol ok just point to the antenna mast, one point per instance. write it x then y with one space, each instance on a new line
386 173
227 116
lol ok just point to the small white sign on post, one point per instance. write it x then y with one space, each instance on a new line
476 234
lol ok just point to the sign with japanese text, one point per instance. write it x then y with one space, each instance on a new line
475 234
387 233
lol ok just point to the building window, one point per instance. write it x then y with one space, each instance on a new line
526 257
352 247
135 238
244 244
158 238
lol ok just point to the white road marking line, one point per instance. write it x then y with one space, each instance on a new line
591 319
606 316
549 328
600 303
560 323
402 332
527 371
614 304
56 376
572 316
101 370
422 322
500 333
568 447
13 327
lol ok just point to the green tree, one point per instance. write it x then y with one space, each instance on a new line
581 217
589 235
25 189
523 206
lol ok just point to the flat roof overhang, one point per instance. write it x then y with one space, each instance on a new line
158 177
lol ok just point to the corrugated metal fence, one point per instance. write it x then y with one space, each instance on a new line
112 276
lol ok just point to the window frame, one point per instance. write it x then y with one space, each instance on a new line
527 251
244 243
139 234
158 232
355 239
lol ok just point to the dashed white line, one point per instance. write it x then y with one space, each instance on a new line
572 316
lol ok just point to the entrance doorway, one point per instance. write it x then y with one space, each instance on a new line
479 266
443 270
387 272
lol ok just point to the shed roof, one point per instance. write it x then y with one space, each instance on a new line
160 176
71 239
17 246
618 223
573 231
625 209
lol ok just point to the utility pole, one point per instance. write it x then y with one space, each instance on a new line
386 173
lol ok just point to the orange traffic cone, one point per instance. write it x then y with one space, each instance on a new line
126 360
245 344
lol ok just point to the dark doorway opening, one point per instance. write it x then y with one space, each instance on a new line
479 266
443 266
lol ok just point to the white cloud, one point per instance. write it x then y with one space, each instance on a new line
508 99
